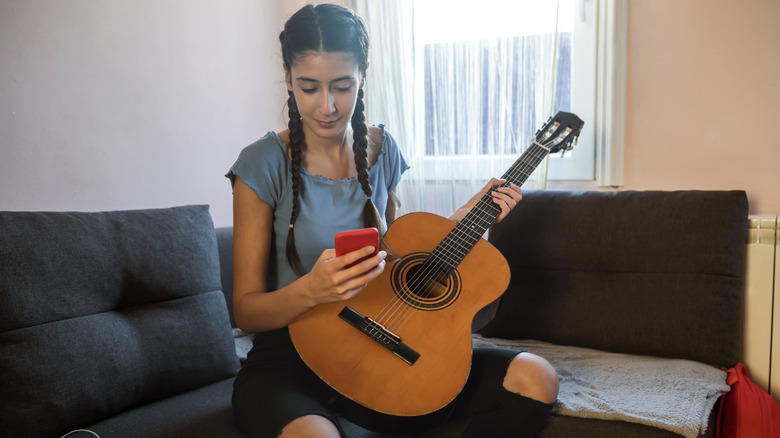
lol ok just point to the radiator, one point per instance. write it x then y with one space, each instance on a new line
761 335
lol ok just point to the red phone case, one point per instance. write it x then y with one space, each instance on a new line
348 241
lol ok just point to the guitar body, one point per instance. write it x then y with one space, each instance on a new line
431 319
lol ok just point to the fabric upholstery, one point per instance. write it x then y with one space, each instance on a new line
203 412
655 273
565 427
101 312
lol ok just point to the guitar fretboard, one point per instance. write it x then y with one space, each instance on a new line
459 242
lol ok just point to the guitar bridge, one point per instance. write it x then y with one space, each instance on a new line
380 334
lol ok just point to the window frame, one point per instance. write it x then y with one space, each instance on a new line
598 97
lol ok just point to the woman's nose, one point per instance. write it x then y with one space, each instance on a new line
328 103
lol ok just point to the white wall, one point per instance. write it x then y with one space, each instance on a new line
132 104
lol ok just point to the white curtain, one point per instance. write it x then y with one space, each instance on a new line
463 100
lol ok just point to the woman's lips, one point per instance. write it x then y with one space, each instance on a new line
327 125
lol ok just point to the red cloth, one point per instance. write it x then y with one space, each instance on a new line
746 410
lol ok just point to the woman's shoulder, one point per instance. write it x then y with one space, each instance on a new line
390 153
265 156
263 166
283 136
381 139
375 143
376 135
271 145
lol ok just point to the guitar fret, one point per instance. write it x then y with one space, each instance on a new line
461 248
466 236
456 247
476 224
459 242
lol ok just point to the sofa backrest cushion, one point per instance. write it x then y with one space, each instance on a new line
100 312
652 272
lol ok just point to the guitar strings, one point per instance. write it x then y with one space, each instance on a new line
396 312
400 310
480 213
525 168
485 211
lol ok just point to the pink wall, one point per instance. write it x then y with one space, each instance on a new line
137 104
703 97
132 104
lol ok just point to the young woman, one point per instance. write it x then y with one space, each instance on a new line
292 192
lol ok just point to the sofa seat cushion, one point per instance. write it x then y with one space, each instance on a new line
562 426
102 312
201 413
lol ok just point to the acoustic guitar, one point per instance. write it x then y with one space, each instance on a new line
403 345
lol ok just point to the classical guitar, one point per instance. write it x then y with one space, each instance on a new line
403 345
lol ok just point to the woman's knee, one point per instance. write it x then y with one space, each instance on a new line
310 426
532 376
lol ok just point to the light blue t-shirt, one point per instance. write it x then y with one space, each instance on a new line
326 206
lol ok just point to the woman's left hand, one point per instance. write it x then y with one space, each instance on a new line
506 198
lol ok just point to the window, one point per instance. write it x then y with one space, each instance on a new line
514 31
464 85
443 109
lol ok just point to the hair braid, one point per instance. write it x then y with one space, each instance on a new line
370 216
297 141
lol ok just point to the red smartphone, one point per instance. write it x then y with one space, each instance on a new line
348 241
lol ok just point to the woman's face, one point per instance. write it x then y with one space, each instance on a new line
325 86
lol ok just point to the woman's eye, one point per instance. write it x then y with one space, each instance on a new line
343 89
309 90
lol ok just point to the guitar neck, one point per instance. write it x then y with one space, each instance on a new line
459 242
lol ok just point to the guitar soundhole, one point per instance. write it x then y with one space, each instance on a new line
422 285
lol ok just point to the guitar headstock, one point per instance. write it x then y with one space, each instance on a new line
560 132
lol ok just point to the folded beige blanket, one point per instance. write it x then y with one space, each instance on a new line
671 394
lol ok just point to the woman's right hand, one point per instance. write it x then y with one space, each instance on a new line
331 280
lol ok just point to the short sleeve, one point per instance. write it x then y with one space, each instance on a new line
263 166
395 164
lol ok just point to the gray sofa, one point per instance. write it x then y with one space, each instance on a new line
114 321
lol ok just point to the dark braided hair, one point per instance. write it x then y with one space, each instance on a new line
326 28
296 146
